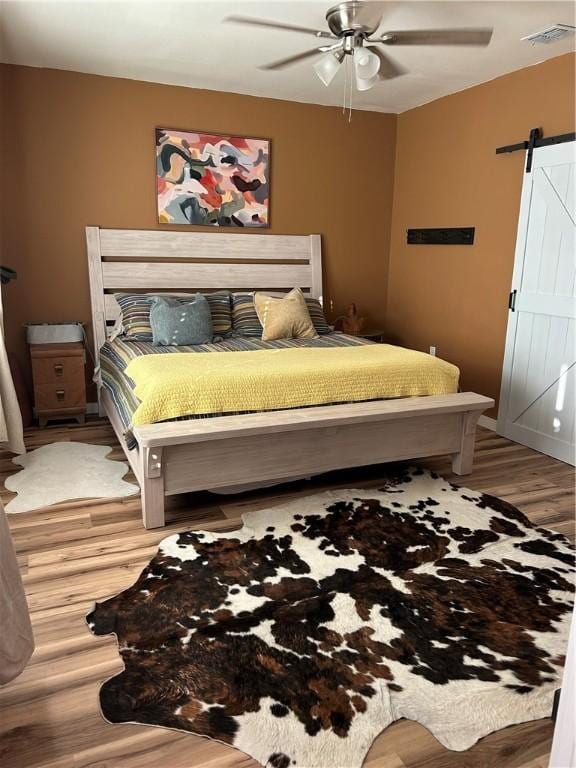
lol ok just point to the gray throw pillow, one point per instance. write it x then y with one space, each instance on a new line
174 323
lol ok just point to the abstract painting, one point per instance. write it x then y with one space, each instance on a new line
211 179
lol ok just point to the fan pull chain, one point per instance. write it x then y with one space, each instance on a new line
348 88
345 84
351 92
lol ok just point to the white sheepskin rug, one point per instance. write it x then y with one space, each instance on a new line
65 471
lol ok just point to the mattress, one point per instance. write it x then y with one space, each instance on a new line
116 355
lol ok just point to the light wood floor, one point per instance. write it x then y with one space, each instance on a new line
75 553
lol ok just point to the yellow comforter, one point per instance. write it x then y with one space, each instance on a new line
183 384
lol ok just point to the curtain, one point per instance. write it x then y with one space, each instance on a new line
16 639
11 432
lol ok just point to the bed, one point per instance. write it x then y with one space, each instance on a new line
184 455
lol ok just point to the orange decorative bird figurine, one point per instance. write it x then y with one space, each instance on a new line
351 322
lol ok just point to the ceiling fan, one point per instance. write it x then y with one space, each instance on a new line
352 26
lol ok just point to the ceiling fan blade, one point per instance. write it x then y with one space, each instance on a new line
473 36
289 60
248 20
389 68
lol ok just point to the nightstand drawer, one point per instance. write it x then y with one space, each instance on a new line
52 397
57 370
59 381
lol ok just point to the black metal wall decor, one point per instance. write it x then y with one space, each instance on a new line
536 140
441 236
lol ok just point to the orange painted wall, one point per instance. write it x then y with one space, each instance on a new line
447 174
79 149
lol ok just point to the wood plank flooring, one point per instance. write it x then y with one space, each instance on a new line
75 553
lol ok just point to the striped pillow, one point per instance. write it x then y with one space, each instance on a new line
245 320
135 309
221 311
317 315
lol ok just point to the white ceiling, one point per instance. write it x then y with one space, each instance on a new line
187 43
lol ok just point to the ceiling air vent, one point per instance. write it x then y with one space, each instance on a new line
551 34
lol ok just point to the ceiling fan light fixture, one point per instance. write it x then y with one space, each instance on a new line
365 83
328 65
366 63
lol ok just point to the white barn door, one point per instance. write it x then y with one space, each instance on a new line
537 395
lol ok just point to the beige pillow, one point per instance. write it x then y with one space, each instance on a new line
284 318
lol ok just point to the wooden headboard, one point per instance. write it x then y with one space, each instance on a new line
145 261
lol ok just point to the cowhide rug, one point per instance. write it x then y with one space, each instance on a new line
298 638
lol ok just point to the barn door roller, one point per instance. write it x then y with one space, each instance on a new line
534 141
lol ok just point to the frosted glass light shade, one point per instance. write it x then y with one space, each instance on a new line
366 63
365 83
328 65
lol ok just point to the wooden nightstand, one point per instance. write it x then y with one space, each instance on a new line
59 383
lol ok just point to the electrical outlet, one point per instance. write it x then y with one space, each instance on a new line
433 351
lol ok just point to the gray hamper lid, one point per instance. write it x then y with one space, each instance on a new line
54 333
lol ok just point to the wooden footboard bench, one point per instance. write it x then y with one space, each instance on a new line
232 450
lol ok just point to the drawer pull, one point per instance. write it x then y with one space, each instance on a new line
58 369
60 393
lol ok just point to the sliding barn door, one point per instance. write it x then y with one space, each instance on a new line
537 396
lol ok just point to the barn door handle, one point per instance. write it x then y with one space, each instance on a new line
512 300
